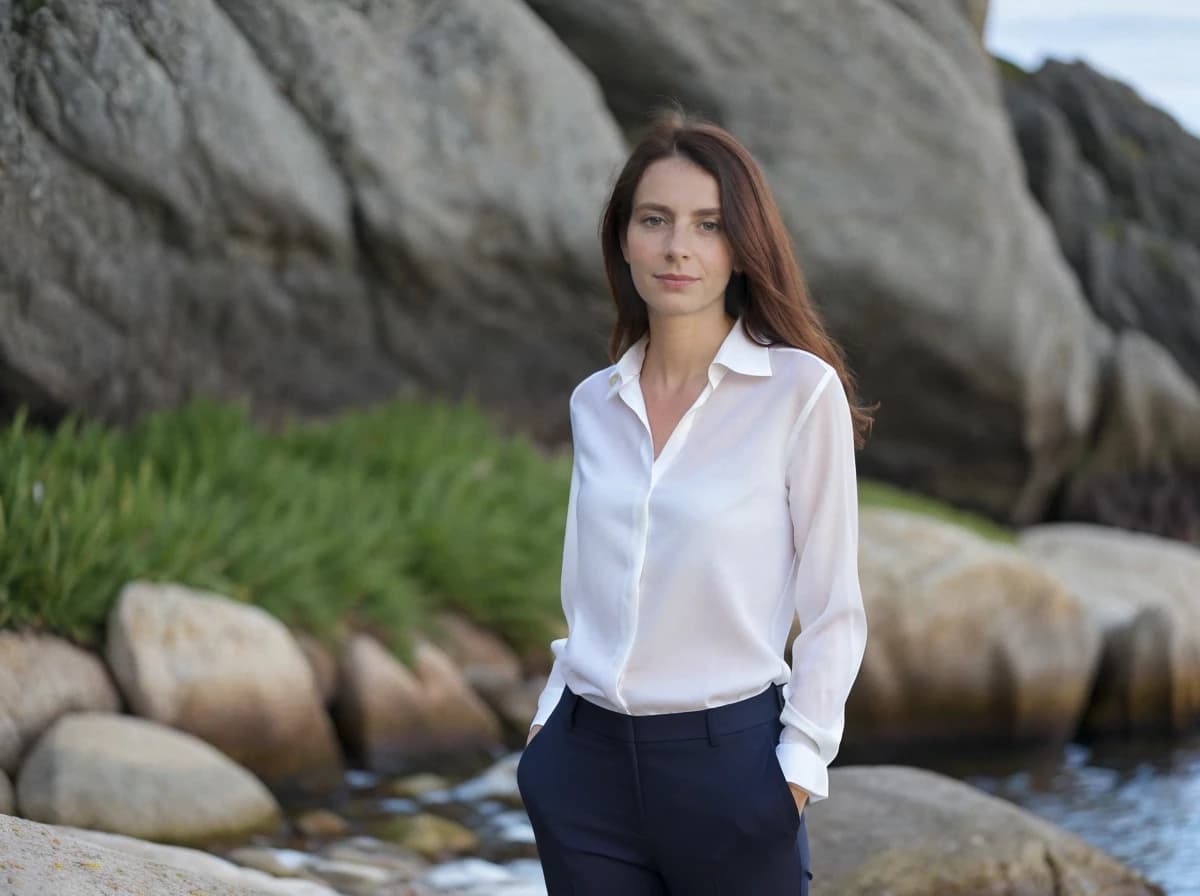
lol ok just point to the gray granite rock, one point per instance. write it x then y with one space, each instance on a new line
45 859
1140 592
130 776
393 716
972 642
891 829
882 130
41 678
229 673
312 203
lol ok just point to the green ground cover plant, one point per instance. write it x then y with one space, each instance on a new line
370 521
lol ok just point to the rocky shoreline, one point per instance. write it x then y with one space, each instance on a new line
204 718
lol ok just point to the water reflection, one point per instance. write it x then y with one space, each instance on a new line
1138 801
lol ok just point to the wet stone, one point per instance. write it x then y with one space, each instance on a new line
321 823
279 862
429 835
416 785
477 877
508 835
369 851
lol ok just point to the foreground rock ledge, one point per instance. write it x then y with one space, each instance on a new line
909 832
37 859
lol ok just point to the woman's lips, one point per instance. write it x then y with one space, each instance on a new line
676 279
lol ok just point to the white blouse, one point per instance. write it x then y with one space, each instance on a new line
680 575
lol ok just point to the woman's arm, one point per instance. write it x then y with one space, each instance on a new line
826 655
553 689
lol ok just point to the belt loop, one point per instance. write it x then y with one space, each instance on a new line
712 738
574 700
779 695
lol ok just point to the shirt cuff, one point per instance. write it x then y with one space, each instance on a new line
546 703
804 768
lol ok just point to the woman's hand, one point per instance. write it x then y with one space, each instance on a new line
799 794
532 732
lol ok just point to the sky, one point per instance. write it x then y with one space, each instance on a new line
1151 45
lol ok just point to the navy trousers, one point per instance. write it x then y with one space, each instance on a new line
676 804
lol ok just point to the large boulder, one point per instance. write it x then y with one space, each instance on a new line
909 832
487 664
971 643
43 859
41 678
1143 593
1117 177
492 669
394 717
882 130
310 203
130 776
229 673
1143 469
977 13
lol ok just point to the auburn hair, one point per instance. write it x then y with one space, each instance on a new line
768 292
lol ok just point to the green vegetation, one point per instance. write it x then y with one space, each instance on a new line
370 522
879 494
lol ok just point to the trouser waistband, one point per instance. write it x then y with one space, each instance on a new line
697 723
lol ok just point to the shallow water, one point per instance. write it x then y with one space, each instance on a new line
1138 801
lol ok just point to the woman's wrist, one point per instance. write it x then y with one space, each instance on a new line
532 731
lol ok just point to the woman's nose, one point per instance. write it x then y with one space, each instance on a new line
677 245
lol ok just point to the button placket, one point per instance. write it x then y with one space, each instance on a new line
631 394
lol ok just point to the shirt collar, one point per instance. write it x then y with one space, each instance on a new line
738 352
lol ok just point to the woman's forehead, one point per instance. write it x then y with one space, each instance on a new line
679 185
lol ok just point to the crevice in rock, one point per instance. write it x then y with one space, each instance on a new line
19 391
378 273
151 207
1057 876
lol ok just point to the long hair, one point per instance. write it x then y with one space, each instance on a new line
769 292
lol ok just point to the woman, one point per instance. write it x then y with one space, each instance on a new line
712 496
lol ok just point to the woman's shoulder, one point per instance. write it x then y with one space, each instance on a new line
797 369
592 387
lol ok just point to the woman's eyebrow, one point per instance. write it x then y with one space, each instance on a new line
657 207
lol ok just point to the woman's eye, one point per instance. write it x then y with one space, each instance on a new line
652 220
710 226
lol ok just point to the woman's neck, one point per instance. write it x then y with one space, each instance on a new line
681 348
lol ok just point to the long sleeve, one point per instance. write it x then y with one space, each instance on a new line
551 693
827 654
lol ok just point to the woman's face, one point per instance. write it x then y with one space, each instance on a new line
675 243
